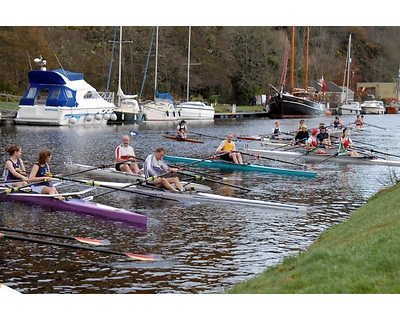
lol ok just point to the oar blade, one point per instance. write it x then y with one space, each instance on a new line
95 242
140 257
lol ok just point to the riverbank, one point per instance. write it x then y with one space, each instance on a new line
360 255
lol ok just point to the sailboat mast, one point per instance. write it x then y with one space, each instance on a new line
306 66
119 67
155 71
188 68
291 80
348 70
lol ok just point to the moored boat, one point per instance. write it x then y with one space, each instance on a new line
79 206
373 107
61 98
220 164
195 110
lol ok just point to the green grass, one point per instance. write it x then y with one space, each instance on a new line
360 255
228 109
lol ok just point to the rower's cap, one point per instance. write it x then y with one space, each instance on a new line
322 127
314 131
183 121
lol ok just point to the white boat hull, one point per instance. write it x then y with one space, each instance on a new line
159 111
195 111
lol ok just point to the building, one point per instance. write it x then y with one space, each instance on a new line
379 90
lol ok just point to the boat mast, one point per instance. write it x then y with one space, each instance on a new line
306 66
155 72
119 67
188 68
291 80
348 71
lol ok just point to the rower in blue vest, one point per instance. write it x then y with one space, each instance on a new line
276 131
14 173
181 129
324 139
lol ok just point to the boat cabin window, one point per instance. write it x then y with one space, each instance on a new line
69 94
31 93
91 95
42 96
55 93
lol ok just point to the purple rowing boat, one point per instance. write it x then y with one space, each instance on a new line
79 206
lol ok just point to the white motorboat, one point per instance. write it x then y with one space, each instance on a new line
194 110
61 98
352 108
373 107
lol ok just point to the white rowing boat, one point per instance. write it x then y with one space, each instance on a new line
330 156
193 195
109 174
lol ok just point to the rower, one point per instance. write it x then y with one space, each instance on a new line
181 129
323 138
124 153
14 169
345 143
302 136
227 150
312 143
153 166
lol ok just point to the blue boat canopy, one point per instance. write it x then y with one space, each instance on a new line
52 76
164 96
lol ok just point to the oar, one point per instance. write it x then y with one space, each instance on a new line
372 125
273 159
84 240
75 246
13 189
101 167
206 135
200 177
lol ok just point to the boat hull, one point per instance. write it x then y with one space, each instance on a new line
159 111
241 167
78 206
125 116
284 106
177 138
315 158
195 111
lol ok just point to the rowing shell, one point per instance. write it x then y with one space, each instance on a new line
252 138
311 157
241 167
79 206
199 196
107 173
178 138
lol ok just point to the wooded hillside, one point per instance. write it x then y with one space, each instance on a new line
228 64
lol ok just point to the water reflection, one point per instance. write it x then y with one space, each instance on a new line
201 248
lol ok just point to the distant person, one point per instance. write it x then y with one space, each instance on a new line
125 153
337 123
14 173
301 123
41 173
227 150
312 143
359 123
276 131
182 129
154 165
302 136
345 143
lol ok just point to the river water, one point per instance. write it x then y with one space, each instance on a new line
200 248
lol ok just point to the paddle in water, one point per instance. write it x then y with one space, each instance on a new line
74 246
95 242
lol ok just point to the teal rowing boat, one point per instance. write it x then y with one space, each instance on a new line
241 167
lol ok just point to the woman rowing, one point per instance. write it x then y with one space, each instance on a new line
227 150
302 136
312 143
41 173
337 123
345 143
181 129
276 131
14 173
359 122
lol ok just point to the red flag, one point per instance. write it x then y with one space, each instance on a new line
323 89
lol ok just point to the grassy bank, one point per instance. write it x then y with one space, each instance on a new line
360 255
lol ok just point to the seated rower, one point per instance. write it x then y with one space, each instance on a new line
302 136
312 143
14 170
324 138
153 166
337 123
227 150
124 153
345 143
276 131
182 129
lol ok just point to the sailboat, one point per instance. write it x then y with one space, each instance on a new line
162 108
348 105
194 110
299 103
127 110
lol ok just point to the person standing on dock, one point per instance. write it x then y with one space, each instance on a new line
153 166
227 150
124 153
14 173
182 129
